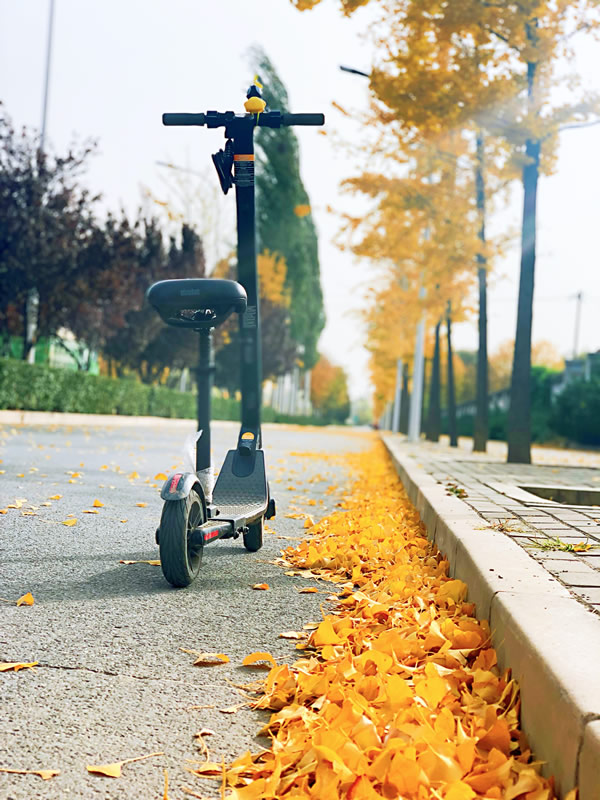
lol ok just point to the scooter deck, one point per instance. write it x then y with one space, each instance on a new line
240 492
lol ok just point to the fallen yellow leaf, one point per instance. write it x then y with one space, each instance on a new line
26 600
153 563
160 477
114 770
91 511
133 475
55 497
69 522
97 504
207 659
255 659
308 590
261 586
141 505
44 774
15 666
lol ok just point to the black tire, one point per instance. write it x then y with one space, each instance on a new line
253 538
179 561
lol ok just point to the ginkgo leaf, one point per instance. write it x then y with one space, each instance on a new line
261 586
207 659
309 522
26 600
292 635
153 563
160 476
308 590
97 504
91 511
133 476
141 505
44 774
114 770
69 522
15 666
255 659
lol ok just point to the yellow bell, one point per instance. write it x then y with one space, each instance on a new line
254 105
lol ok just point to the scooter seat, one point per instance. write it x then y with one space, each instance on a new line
197 302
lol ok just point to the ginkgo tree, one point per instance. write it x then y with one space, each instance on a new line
422 233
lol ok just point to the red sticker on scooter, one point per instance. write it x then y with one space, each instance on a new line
174 482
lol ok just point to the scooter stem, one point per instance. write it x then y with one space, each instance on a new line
251 366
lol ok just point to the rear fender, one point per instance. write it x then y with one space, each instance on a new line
179 485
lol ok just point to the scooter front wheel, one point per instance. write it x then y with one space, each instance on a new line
179 559
253 538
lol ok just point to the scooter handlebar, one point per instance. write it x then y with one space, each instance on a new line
184 119
214 119
302 119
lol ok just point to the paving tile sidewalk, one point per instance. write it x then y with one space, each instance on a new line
493 490
543 605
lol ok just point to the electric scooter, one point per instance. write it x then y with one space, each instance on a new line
194 513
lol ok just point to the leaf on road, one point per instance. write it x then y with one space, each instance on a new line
207 659
97 504
160 476
261 586
15 666
153 563
26 600
235 709
91 511
309 522
258 659
122 520
69 522
114 770
19 503
45 774
292 635
133 476
141 505
308 590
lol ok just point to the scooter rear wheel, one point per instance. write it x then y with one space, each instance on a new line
253 538
180 561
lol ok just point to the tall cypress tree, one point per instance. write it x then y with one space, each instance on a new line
284 222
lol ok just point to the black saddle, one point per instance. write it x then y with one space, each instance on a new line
197 303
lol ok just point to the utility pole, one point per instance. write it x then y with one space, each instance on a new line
33 297
397 397
578 298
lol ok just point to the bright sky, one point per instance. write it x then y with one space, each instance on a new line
118 65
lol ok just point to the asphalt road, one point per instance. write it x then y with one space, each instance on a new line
113 682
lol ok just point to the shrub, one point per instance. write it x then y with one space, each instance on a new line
576 412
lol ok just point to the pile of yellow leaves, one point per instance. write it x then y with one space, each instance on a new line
399 694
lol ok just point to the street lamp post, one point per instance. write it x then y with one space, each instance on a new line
33 297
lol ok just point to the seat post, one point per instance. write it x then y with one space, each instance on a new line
205 373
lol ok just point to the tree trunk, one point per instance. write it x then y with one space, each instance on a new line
424 399
405 401
481 424
519 414
434 412
450 388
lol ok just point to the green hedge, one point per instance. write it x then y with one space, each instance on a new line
37 387
577 412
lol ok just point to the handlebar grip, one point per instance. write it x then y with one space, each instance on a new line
303 119
184 119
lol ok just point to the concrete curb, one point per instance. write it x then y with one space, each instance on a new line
549 640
